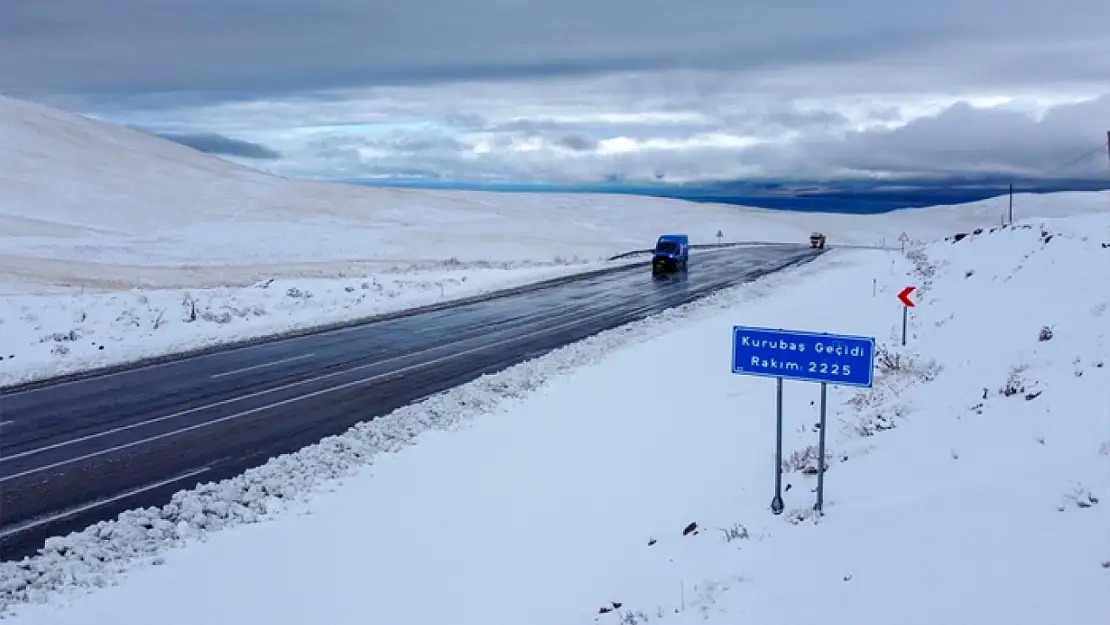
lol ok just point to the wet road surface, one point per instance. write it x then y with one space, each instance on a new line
81 451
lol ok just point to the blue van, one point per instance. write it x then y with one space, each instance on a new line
671 253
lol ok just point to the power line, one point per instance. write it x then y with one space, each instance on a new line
1100 148
1104 146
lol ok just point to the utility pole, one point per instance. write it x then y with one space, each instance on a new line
1011 203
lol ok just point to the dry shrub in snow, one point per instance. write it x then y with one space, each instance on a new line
805 460
922 267
897 370
297 293
1080 497
797 516
60 337
737 532
895 363
879 420
1015 381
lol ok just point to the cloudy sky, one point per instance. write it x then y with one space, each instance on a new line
585 90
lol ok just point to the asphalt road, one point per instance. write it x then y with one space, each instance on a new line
81 451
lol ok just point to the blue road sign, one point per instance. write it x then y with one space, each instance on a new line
805 356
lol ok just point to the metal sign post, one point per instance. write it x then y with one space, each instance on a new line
837 359
720 237
821 452
777 505
907 304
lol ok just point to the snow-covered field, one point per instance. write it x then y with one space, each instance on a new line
970 485
108 236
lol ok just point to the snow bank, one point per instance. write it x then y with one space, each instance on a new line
49 335
970 485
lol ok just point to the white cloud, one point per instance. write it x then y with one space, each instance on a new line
677 126
581 89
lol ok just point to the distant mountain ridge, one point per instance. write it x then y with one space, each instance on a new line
841 196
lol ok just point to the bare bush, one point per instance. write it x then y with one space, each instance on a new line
1079 497
922 266
797 516
736 532
129 317
805 460
1015 381
633 618
891 362
888 360
879 421
189 303
220 318
61 337
296 293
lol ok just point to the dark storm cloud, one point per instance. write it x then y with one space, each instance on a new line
235 49
964 139
214 143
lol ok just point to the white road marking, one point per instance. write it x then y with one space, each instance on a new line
261 366
96 504
232 400
283 402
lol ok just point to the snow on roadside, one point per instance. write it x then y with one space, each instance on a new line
970 485
99 555
49 335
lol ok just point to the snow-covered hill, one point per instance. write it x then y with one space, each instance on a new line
89 205
107 232
970 485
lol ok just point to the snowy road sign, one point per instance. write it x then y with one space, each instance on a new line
804 356
907 304
904 296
